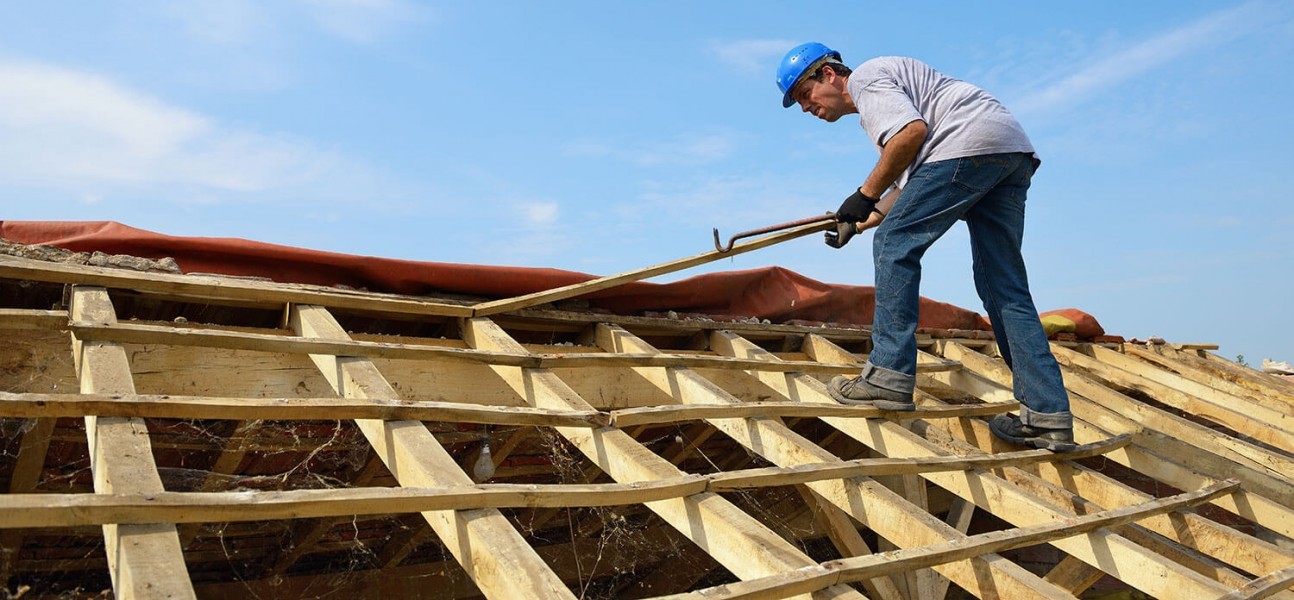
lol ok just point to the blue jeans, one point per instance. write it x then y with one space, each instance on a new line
989 193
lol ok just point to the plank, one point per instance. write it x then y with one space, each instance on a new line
853 569
1087 491
285 409
1260 422
867 501
145 560
490 550
134 333
221 288
733 538
1110 552
578 289
22 318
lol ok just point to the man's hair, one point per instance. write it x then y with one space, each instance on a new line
836 67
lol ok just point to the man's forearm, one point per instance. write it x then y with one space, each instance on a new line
897 154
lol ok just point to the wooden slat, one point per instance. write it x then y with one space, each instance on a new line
578 289
1112 553
1228 545
133 333
145 560
218 288
742 544
854 569
864 499
21 318
67 510
490 550
1259 422
286 409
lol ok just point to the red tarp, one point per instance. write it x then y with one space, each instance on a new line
770 293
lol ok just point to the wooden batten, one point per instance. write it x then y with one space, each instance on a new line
344 446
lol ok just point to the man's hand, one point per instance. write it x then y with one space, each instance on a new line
856 208
846 230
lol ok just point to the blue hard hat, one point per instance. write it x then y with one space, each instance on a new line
794 65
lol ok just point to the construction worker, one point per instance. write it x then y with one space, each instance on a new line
948 151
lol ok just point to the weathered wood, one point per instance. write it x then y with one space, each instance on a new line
854 569
1110 552
843 532
264 342
145 560
1270 426
21 318
220 288
1263 587
286 409
864 499
669 414
1269 398
490 550
1198 537
734 539
578 289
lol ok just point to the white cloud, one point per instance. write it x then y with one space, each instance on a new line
1211 30
67 129
539 213
684 150
360 21
752 56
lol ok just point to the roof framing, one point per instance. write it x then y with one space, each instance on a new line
641 417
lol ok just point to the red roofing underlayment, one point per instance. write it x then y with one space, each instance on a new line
772 293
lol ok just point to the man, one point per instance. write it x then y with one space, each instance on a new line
948 151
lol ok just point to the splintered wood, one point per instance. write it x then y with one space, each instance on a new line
169 436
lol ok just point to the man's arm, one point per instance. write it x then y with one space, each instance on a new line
897 155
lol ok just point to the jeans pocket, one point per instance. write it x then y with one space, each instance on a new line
983 173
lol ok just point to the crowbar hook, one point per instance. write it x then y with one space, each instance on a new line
770 229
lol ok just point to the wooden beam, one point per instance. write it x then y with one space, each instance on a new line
145 560
854 569
579 289
1270 398
1112 553
492 553
1206 451
1092 490
221 288
843 533
864 499
134 333
22 318
1259 422
743 545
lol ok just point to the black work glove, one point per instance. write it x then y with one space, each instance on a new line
856 208
845 230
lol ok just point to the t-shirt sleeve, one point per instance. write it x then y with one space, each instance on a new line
883 106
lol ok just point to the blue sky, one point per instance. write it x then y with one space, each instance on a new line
603 137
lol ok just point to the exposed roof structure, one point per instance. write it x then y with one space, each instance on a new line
171 435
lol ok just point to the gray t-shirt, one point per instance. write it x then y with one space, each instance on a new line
963 120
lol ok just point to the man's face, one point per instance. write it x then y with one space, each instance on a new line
821 98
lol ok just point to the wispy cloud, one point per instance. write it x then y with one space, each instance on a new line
361 21
751 56
1110 70
67 129
692 149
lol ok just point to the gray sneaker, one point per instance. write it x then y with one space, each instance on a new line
1010 428
857 391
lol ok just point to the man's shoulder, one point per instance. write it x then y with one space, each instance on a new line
886 66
